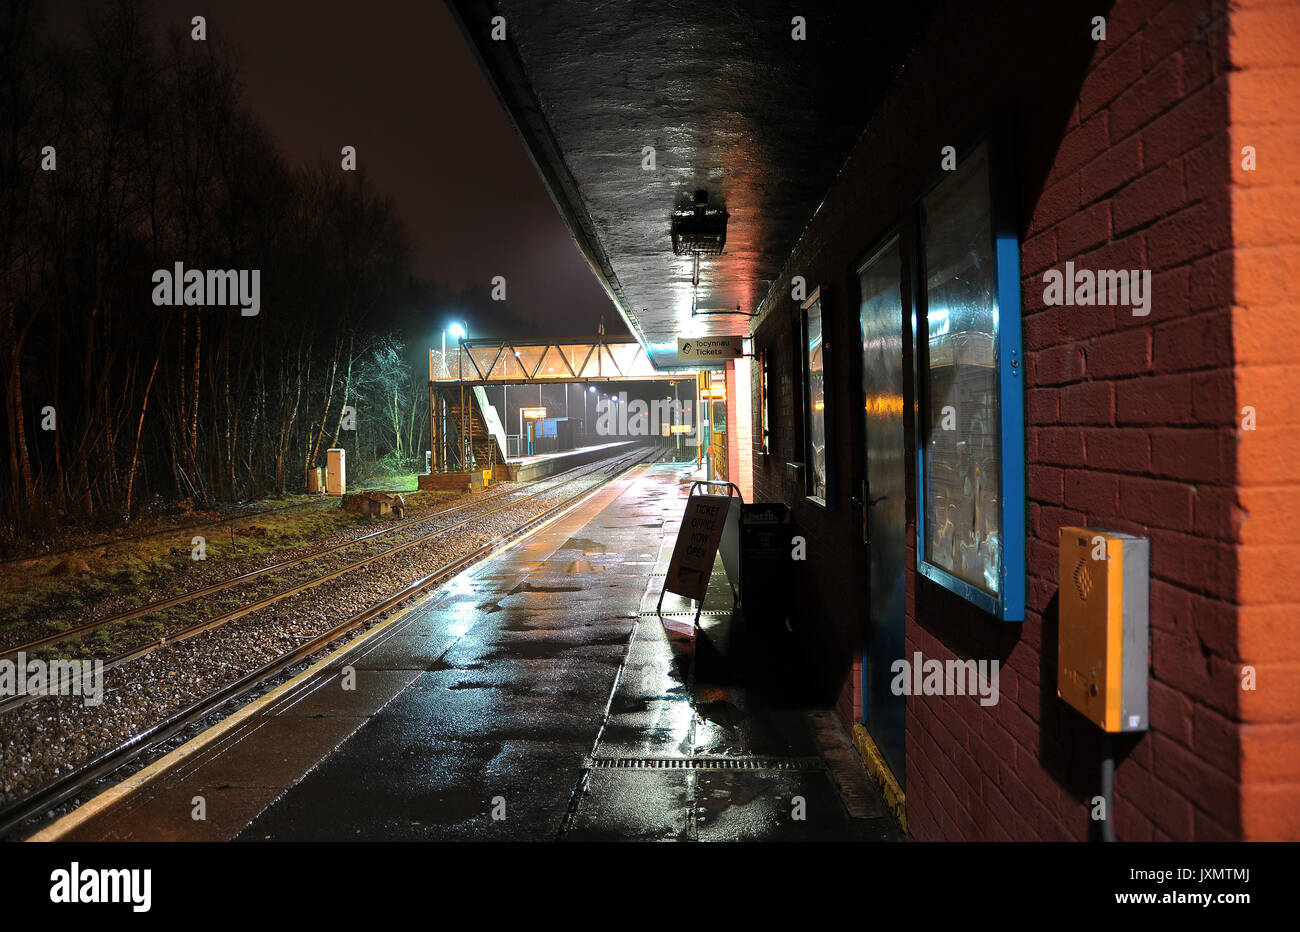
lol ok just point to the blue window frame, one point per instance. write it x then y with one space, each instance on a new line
970 384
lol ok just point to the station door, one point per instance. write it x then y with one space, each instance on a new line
884 499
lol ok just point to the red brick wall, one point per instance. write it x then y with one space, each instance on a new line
1264 46
740 433
1123 163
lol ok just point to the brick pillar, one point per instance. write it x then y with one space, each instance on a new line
740 429
1264 42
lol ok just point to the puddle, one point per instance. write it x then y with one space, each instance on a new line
585 544
529 587
720 713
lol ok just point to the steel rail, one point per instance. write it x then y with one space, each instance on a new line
75 780
10 703
158 605
161 532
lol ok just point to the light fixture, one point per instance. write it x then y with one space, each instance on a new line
699 230
456 330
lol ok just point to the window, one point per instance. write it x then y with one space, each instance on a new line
816 472
764 421
971 430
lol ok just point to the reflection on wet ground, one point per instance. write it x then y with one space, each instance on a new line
538 696
571 710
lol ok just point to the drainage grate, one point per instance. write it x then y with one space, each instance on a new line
705 763
691 614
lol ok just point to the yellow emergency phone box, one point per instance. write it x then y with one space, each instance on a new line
1102 637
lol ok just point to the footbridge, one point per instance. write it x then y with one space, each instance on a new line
465 427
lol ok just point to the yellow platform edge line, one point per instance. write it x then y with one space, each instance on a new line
119 791
881 775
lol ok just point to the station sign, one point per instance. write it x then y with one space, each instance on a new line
532 414
710 349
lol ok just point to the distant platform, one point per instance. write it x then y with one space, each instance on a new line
528 468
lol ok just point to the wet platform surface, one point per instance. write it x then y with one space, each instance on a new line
535 697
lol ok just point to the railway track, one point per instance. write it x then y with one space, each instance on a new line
110 543
476 508
101 766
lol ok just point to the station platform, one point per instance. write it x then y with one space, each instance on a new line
537 696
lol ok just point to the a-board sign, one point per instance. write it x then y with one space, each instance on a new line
697 545
710 349
765 532
765 547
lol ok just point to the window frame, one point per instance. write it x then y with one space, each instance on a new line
816 297
1008 604
764 408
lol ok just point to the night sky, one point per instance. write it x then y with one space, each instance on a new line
397 80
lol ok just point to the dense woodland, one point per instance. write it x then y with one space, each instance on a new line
159 161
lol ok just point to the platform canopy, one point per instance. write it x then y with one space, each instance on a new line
603 359
687 145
